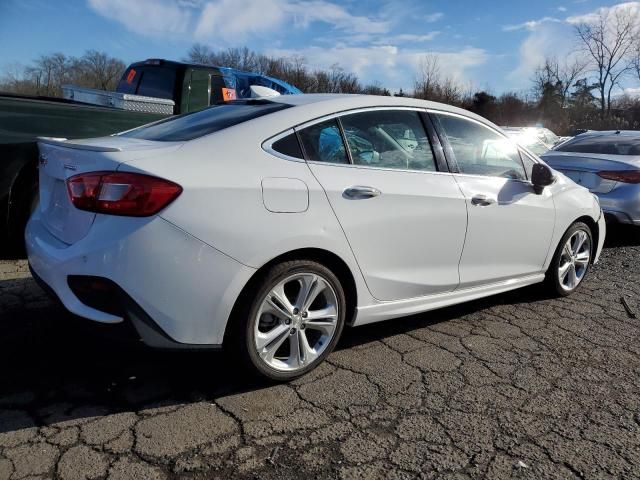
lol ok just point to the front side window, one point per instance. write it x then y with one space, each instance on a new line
388 139
322 142
478 150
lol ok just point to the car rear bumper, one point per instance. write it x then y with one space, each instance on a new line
622 204
176 291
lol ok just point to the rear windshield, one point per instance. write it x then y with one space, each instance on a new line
150 81
197 124
618 145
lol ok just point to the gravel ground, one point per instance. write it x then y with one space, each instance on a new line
516 385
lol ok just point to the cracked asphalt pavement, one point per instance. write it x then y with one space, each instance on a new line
513 386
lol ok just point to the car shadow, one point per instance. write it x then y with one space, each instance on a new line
621 235
57 367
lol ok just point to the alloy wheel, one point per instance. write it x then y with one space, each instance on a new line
574 260
296 321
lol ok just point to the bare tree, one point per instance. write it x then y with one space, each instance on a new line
428 77
98 70
560 76
609 40
431 84
636 59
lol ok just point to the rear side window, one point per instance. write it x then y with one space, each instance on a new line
388 139
322 142
289 146
157 82
605 146
197 124
148 81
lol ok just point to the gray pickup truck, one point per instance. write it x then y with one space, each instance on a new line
145 86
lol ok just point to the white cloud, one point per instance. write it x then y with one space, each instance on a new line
530 25
391 65
216 18
234 19
594 15
544 40
562 9
406 38
554 37
147 17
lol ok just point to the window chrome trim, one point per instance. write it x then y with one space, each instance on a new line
351 111
367 167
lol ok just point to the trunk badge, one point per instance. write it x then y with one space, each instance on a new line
70 166
43 160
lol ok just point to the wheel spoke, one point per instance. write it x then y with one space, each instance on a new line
325 327
580 239
566 251
268 343
563 270
279 302
573 278
311 287
295 359
582 258
326 312
308 353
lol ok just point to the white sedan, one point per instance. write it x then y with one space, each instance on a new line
269 225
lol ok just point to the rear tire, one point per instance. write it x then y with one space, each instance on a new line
571 260
291 321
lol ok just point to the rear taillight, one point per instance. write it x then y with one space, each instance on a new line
120 193
625 176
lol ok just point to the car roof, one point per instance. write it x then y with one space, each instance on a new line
610 134
336 102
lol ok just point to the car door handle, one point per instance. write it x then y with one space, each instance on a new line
360 192
482 200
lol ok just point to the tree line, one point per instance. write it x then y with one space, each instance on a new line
565 94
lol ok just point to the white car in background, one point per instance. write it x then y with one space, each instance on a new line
269 225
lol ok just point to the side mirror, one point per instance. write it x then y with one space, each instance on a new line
541 176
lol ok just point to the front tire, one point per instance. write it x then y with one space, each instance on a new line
295 316
571 261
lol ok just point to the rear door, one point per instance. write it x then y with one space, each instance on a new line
404 218
510 226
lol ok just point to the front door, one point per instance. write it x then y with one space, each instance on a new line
404 220
510 226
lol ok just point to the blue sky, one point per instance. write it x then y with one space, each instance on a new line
482 44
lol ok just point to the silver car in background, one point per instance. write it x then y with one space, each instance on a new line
608 164
528 139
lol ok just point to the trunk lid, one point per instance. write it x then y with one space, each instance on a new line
583 168
61 159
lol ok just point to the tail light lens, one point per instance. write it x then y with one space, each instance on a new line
625 176
120 193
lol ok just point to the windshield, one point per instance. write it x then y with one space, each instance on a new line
197 124
530 142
